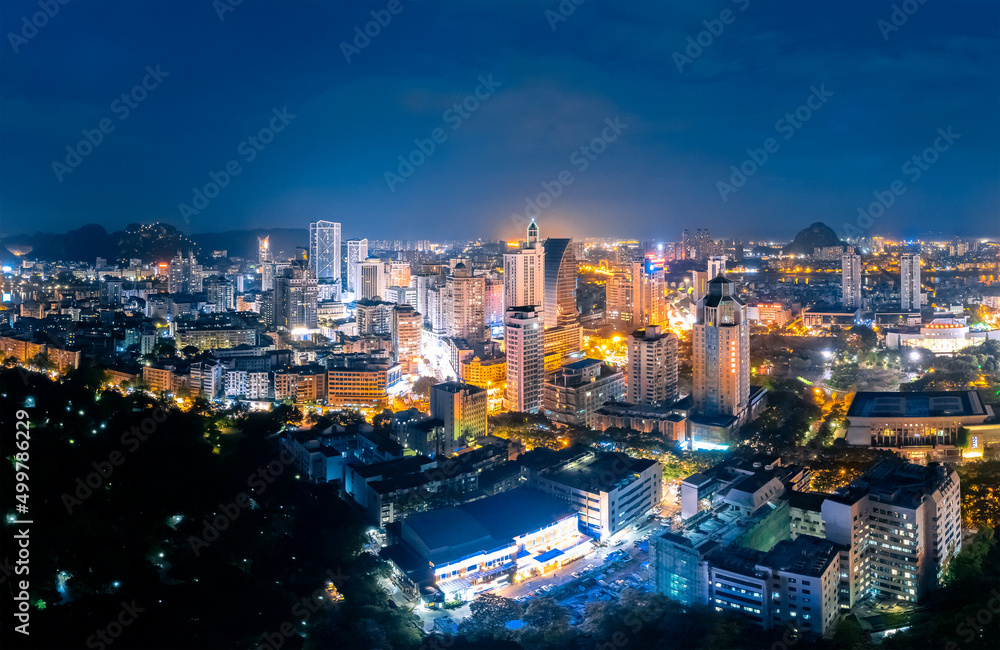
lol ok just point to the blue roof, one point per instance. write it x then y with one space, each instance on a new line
549 555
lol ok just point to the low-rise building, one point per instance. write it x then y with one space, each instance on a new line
573 394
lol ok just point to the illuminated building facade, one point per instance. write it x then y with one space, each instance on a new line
524 273
324 249
524 338
652 367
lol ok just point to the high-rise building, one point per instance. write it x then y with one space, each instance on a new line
266 276
524 273
575 392
494 300
649 301
721 352
295 298
398 274
371 279
618 297
560 283
407 333
324 249
652 367
467 309
463 410
700 279
438 301
850 281
263 249
221 292
185 275
524 338
357 252
909 282
374 317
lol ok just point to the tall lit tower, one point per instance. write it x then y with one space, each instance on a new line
524 273
357 252
467 308
371 279
909 282
263 252
721 352
524 338
652 367
324 249
850 280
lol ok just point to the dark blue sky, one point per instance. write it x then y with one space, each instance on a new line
555 90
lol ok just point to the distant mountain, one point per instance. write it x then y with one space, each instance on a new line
156 242
84 244
818 235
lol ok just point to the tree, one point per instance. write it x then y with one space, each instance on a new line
546 625
422 386
489 616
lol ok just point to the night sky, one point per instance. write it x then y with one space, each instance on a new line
544 94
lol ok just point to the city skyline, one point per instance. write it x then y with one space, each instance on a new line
645 128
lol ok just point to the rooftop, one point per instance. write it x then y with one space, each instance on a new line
963 403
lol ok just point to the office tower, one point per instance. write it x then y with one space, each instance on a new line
398 274
524 338
295 298
462 409
467 309
560 283
721 351
687 245
407 336
703 244
524 273
185 275
438 301
494 300
357 252
850 281
263 249
652 367
221 293
267 276
371 279
909 282
716 266
649 301
324 249
424 282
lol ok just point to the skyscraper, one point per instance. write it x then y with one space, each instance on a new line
463 410
295 297
263 249
649 285
371 279
524 273
850 280
324 249
467 309
909 282
407 335
524 338
721 351
652 367
185 275
716 266
560 283
357 252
